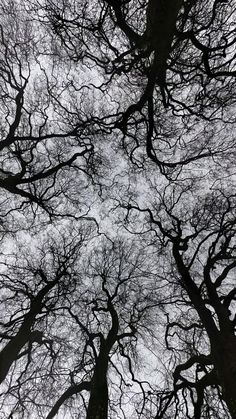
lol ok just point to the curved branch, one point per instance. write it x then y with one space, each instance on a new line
71 391
128 31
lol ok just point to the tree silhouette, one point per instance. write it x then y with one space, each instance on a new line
169 61
117 209
200 246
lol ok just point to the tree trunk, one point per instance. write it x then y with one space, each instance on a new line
160 30
98 401
225 362
10 352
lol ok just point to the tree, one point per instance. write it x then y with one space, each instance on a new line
34 285
109 311
44 146
201 244
103 296
190 71
110 106
31 286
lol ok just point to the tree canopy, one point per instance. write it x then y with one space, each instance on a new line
117 209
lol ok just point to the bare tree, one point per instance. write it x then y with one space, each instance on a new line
83 86
201 244
111 310
31 287
157 53
44 145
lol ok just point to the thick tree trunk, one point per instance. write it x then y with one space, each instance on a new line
223 342
160 30
230 393
11 351
98 401
225 361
